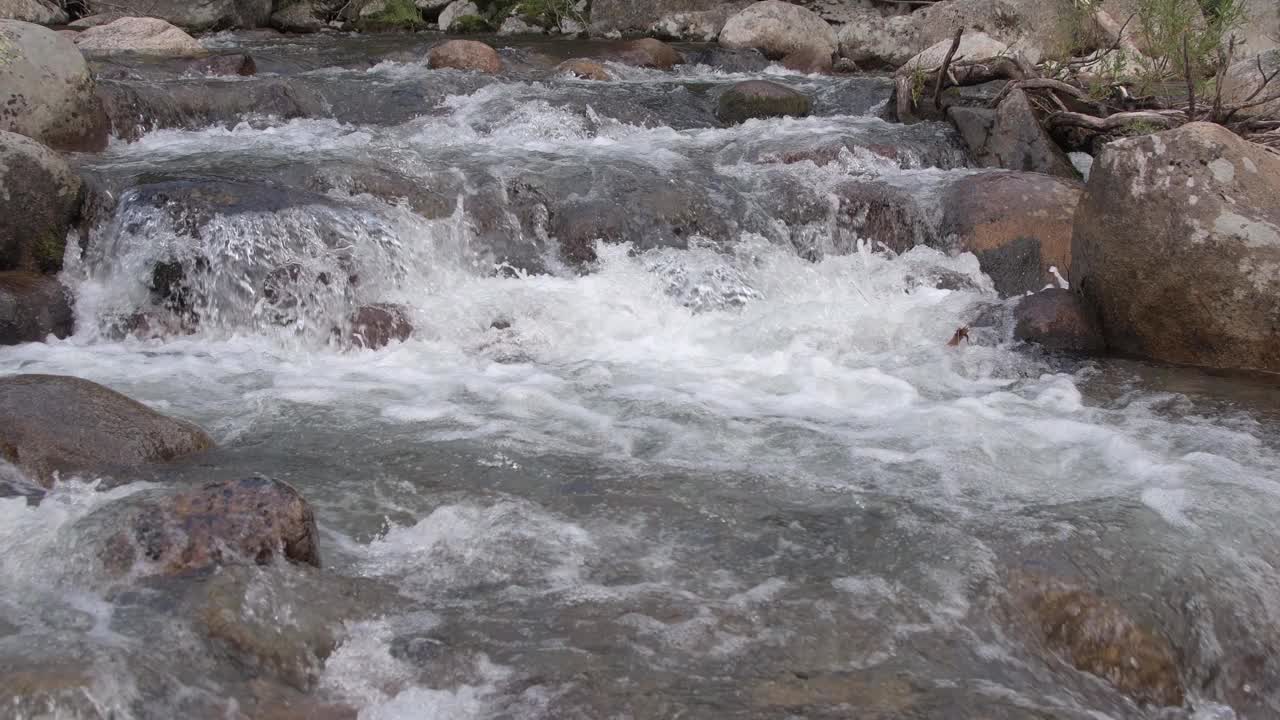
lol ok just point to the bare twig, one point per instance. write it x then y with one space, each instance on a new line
1100 56
1224 62
944 70
1191 85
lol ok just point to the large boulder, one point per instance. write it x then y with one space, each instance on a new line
33 307
760 99
630 16
40 12
199 15
151 36
1244 78
873 40
1010 137
39 201
454 11
53 424
1033 28
1177 244
779 29
297 17
1019 225
465 55
46 91
1260 32
253 520
695 25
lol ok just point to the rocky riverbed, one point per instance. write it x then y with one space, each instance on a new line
403 376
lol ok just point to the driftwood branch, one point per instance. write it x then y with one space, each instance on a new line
944 71
1038 84
1114 122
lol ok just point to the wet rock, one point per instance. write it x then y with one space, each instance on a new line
1059 321
806 692
730 60
89 21
464 55
808 61
875 41
39 201
650 53
1018 224
248 521
882 213
84 427
779 29
1010 137
46 91
375 326
1100 638
760 99
583 69
454 11
224 65
1177 243
31 689
199 16
696 25
33 307
139 35
297 17
282 622
39 12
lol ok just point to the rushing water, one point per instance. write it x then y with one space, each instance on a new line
734 470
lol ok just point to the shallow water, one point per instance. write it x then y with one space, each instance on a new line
733 472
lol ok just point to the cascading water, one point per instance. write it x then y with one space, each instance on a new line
675 434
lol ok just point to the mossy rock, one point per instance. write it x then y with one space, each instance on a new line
760 99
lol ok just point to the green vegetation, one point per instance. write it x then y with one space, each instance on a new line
1175 34
545 13
468 24
396 15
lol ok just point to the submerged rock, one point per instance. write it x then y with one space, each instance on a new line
779 29
39 202
1177 243
250 521
464 55
1018 224
650 53
54 424
224 65
760 99
375 326
730 60
46 91
1099 637
583 69
140 35
1057 320
33 307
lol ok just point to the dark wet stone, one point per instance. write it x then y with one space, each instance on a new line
375 326
254 520
1010 137
650 53
760 99
1058 320
57 424
241 64
33 307
39 202
730 60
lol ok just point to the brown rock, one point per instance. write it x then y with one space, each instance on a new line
33 307
465 55
1177 244
1100 638
1057 320
650 53
584 69
1018 224
808 60
57 424
760 99
375 326
243 521
1010 137
39 201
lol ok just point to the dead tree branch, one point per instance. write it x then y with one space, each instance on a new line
1114 122
1191 84
944 70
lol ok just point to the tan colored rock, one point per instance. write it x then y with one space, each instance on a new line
89 21
973 46
583 69
778 29
695 25
650 53
58 424
39 12
150 36
465 55
1177 244
46 91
